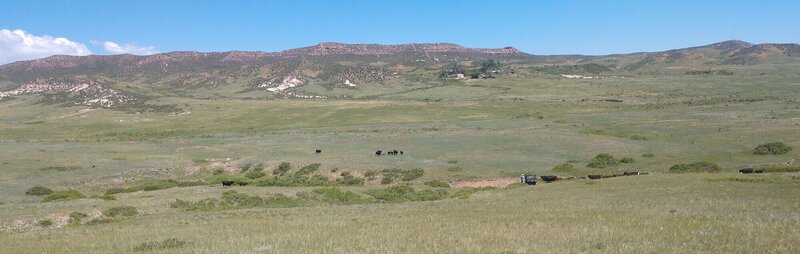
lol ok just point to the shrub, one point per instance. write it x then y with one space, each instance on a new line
106 197
45 223
405 193
454 169
411 174
99 221
349 179
698 166
639 137
308 169
219 171
170 243
627 160
564 167
296 181
282 169
387 179
38 191
463 193
451 161
371 174
254 174
774 148
235 200
64 195
76 218
126 211
602 160
115 190
648 155
437 184
60 168
336 196
153 185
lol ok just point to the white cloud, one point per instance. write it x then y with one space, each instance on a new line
18 45
129 48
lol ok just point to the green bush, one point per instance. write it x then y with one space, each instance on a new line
254 174
627 160
219 171
308 169
405 193
60 168
698 166
45 223
170 243
235 200
296 181
639 137
371 174
454 169
564 167
64 195
126 211
412 174
463 193
336 196
648 155
75 218
115 190
602 160
38 191
437 184
99 221
774 148
349 179
282 169
106 197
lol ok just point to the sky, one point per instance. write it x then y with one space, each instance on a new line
32 29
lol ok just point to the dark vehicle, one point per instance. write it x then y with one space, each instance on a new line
529 179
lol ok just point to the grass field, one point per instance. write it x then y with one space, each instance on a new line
455 131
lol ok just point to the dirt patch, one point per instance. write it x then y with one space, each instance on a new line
502 182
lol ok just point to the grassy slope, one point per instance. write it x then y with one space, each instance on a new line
663 213
476 126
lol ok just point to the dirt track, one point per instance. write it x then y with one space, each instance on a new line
502 182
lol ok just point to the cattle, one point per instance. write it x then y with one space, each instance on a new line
529 179
548 179
401 152
318 151
227 183
746 171
595 176
378 153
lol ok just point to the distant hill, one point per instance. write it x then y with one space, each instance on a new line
328 66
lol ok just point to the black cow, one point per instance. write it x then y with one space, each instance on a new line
746 171
378 153
548 179
401 152
227 183
318 151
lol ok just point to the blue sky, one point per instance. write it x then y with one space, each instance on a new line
538 27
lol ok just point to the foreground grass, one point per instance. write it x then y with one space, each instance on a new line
643 214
